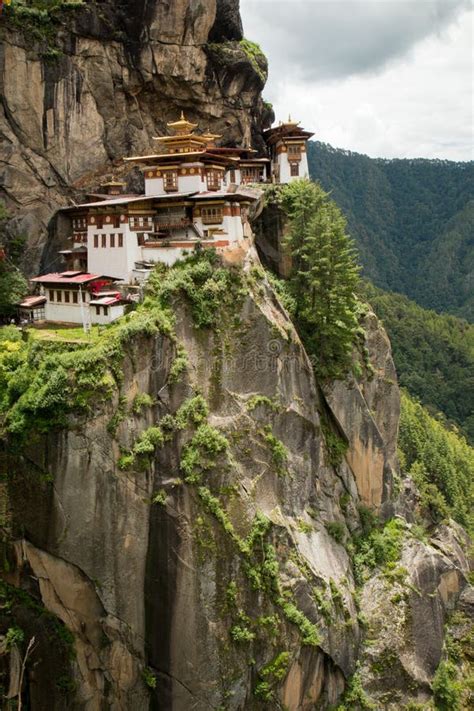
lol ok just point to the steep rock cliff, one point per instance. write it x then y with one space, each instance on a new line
92 83
210 569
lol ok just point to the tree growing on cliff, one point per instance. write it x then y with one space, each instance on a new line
323 278
13 284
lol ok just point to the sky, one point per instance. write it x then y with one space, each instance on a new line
388 78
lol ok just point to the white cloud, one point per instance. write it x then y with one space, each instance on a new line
401 97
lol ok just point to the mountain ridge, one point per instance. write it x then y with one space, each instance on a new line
411 220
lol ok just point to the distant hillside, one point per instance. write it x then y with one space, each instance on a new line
412 220
433 353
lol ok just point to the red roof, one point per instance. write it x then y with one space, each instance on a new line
70 278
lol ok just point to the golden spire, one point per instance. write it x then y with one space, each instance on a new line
183 126
210 137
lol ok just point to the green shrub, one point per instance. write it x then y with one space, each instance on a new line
179 365
335 444
279 452
446 688
140 402
241 634
355 696
381 547
201 452
14 637
192 412
149 678
336 530
270 675
159 497
208 288
256 57
263 401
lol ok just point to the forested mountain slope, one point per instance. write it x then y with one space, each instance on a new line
433 354
412 220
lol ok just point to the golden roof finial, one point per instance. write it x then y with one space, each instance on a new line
182 126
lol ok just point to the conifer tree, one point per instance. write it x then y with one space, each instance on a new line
323 278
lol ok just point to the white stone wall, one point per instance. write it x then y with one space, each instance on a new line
285 172
191 183
154 186
113 313
233 226
238 177
115 261
67 313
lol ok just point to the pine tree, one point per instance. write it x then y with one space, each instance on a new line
323 278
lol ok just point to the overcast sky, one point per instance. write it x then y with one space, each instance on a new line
390 78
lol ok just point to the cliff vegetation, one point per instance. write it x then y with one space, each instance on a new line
433 353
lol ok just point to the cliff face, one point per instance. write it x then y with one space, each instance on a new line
210 571
94 83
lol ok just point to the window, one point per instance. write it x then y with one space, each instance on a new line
97 310
294 169
116 221
170 180
103 241
106 310
59 296
112 240
294 149
51 295
232 176
67 297
212 215
74 297
213 180
120 239
96 241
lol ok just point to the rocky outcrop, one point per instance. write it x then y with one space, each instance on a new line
169 586
406 610
367 410
95 83
215 569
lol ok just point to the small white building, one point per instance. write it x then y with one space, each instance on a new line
287 146
79 298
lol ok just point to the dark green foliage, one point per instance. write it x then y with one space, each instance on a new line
40 21
278 451
149 678
337 530
441 463
192 412
412 221
335 444
40 385
434 355
355 698
13 285
201 452
269 676
14 637
256 57
241 634
381 547
323 278
446 688
208 287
